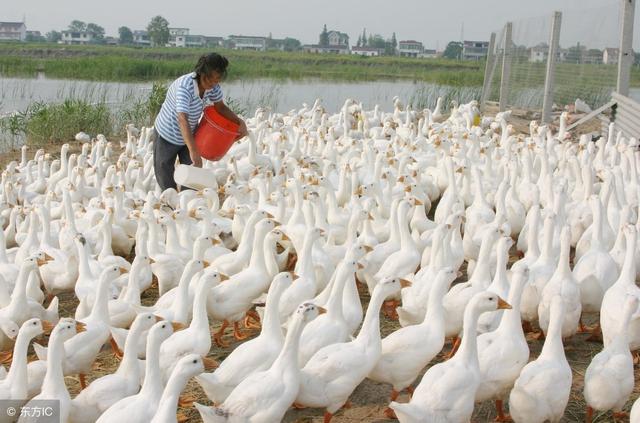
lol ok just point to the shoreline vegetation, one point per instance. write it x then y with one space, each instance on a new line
131 64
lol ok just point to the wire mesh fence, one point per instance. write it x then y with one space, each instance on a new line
585 61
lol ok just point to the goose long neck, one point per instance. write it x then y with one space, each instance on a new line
106 249
435 307
306 262
469 347
597 222
547 245
200 318
533 247
271 323
54 376
132 293
152 375
370 330
288 356
406 241
553 343
628 272
257 256
18 371
482 271
510 321
19 294
3 247
334 305
621 341
129 366
169 400
83 263
100 308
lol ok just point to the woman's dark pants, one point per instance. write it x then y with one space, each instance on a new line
164 161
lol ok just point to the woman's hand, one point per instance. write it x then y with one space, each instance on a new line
196 159
242 130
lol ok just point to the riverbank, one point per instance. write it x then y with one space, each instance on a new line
107 63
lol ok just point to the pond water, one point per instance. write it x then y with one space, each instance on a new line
18 93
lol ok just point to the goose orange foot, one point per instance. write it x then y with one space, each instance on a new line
621 415
83 380
252 315
327 417
237 333
116 350
186 401
389 309
389 413
501 416
217 337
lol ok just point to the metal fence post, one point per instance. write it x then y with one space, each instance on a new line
506 67
625 58
488 70
554 41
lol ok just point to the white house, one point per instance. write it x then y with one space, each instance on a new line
475 50
410 48
337 38
428 54
610 56
141 38
243 42
178 37
539 53
13 31
76 37
367 51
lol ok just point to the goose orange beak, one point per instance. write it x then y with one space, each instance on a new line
209 363
47 327
321 310
158 318
502 304
223 277
177 326
80 327
405 283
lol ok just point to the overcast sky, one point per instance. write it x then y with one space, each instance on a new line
432 22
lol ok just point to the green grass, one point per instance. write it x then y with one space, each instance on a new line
44 123
138 64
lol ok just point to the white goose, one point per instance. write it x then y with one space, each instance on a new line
252 356
141 407
609 380
351 361
447 391
102 393
542 390
265 396
53 387
408 350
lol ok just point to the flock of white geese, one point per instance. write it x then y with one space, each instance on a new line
299 221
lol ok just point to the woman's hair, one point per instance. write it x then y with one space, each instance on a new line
208 63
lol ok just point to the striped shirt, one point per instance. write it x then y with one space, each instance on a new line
183 96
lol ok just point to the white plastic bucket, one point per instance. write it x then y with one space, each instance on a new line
194 177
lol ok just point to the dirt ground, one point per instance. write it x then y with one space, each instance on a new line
370 398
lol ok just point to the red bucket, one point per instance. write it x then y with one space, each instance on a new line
215 134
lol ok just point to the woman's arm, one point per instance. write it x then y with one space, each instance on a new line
187 136
228 113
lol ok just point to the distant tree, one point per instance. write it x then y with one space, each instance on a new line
53 36
376 41
31 38
359 41
77 26
394 41
575 54
364 37
96 31
158 30
291 44
125 35
324 36
453 50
